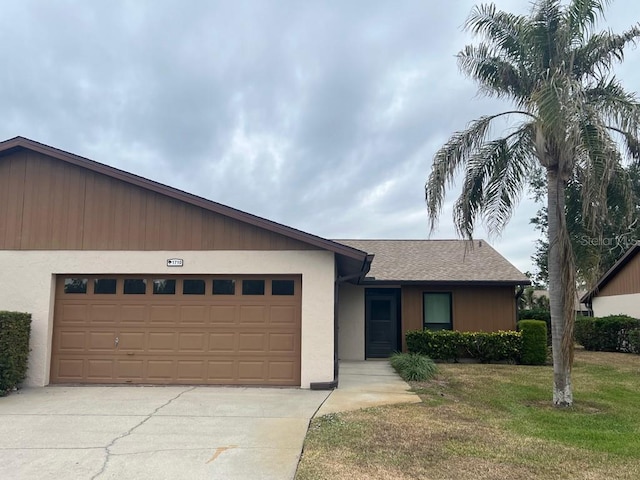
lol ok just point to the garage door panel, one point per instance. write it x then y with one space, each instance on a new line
132 341
192 342
103 314
251 370
197 338
223 342
224 314
134 313
282 343
102 341
283 315
191 371
75 313
71 341
161 342
193 315
100 370
129 369
282 370
222 370
253 314
70 369
163 314
252 342
161 369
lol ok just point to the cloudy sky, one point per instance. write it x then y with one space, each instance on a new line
322 115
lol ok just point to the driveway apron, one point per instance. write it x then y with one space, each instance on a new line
155 433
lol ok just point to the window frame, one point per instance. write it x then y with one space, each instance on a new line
425 324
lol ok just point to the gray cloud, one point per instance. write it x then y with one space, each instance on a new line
320 115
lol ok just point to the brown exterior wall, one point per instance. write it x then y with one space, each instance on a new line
625 282
47 204
474 308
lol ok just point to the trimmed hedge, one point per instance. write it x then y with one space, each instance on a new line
15 328
634 341
451 345
605 334
534 342
538 314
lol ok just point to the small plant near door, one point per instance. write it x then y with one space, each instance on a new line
413 367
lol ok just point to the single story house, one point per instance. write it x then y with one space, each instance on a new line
618 290
416 284
131 281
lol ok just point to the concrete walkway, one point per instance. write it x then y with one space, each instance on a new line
367 384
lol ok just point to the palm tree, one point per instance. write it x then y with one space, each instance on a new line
571 117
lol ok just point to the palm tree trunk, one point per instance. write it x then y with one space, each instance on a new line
558 263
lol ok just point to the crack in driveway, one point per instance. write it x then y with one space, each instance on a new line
107 449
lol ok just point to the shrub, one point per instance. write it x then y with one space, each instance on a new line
605 334
450 345
542 314
14 349
584 333
413 367
534 342
443 345
634 341
492 346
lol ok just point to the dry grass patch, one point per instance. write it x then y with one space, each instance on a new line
487 422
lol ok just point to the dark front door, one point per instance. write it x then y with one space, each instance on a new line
381 323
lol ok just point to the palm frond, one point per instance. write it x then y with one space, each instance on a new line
598 54
597 165
619 108
495 75
494 179
546 32
630 142
509 179
502 29
582 15
453 156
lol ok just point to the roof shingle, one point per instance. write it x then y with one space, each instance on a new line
437 261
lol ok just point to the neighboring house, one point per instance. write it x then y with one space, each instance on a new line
416 284
542 297
131 281
618 290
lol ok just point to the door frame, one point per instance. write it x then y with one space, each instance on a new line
371 292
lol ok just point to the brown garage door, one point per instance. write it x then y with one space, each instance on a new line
227 330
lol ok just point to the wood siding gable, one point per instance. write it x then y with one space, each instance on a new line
49 204
625 281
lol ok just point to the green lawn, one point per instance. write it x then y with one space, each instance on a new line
491 422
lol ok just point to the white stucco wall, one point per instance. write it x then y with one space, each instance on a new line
615 304
351 322
27 284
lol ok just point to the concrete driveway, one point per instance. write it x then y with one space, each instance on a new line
154 432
